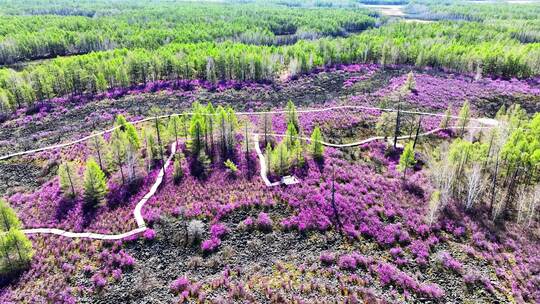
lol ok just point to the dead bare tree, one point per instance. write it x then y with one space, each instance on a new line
443 176
475 184
527 203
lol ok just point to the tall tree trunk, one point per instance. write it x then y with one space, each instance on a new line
70 181
417 132
396 131
494 183
160 145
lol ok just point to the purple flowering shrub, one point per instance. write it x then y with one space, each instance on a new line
264 222
210 245
180 284
437 92
373 208
55 211
389 274
450 262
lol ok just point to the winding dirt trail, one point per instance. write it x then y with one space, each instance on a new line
8 156
262 160
264 170
136 213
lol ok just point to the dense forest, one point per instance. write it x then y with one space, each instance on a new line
145 42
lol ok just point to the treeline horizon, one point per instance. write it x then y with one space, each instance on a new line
480 48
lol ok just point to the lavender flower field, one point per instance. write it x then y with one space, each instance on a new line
188 152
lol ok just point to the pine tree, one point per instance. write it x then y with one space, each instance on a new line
291 135
447 117
23 246
280 159
317 148
232 124
99 146
464 116
8 217
267 127
68 177
292 116
174 126
15 248
406 160
120 121
197 136
268 157
410 83
95 186
132 136
178 171
118 152
101 82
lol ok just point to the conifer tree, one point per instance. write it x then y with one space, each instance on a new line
159 141
317 148
8 217
446 118
406 160
118 152
464 117
291 135
68 179
232 124
132 136
196 138
15 248
174 126
99 146
95 186
398 121
410 83
267 127
120 121
178 171
209 120
292 116
268 157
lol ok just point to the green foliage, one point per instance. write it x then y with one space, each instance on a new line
120 121
386 124
8 217
151 145
233 169
196 130
407 159
464 116
94 185
16 252
174 127
132 136
68 177
15 248
410 83
292 116
118 152
281 159
523 145
445 121
98 146
463 151
178 173
291 135
317 148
